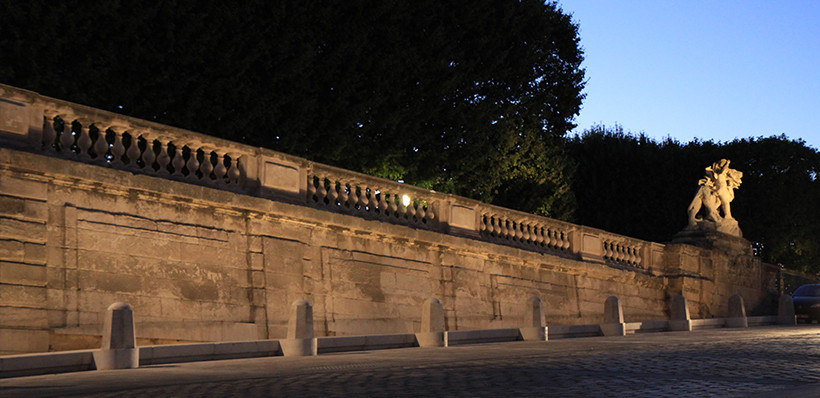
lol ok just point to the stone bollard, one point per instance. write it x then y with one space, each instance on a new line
680 320
785 311
613 318
432 324
300 341
737 313
119 349
534 329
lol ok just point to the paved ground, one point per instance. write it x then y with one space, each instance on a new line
762 361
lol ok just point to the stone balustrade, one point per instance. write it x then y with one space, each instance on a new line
623 250
58 128
361 195
502 225
78 136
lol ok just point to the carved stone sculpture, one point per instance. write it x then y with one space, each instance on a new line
715 193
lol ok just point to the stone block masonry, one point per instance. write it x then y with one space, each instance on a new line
216 246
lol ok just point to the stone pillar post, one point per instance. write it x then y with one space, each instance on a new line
785 310
300 340
119 349
613 318
680 320
432 324
737 313
533 328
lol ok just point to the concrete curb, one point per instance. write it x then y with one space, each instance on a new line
74 361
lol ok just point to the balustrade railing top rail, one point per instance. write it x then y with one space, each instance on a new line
59 128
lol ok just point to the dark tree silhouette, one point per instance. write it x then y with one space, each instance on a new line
638 187
471 98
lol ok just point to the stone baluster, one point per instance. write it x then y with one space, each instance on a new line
206 167
422 214
49 135
343 195
84 141
384 206
333 193
311 189
327 189
67 137
234 174
193 163
177 162
148 155
317 188
220 170
402 210
394 206
163 159
117 149
101 145
412 209
133 151
565 243
321 191
366 204
353 196
539 235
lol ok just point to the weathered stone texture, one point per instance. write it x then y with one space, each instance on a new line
200 264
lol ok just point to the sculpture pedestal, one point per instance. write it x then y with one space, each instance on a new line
701 235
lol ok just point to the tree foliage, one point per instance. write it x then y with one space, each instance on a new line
471 98
635 186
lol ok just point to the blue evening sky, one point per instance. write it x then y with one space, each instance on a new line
689 69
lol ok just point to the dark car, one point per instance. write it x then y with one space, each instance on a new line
807 303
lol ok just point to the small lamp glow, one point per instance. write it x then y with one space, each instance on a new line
405 200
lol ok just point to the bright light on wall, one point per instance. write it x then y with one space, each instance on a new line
405 200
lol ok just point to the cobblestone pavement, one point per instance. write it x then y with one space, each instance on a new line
762 361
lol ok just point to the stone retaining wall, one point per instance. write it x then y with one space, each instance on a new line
203 261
